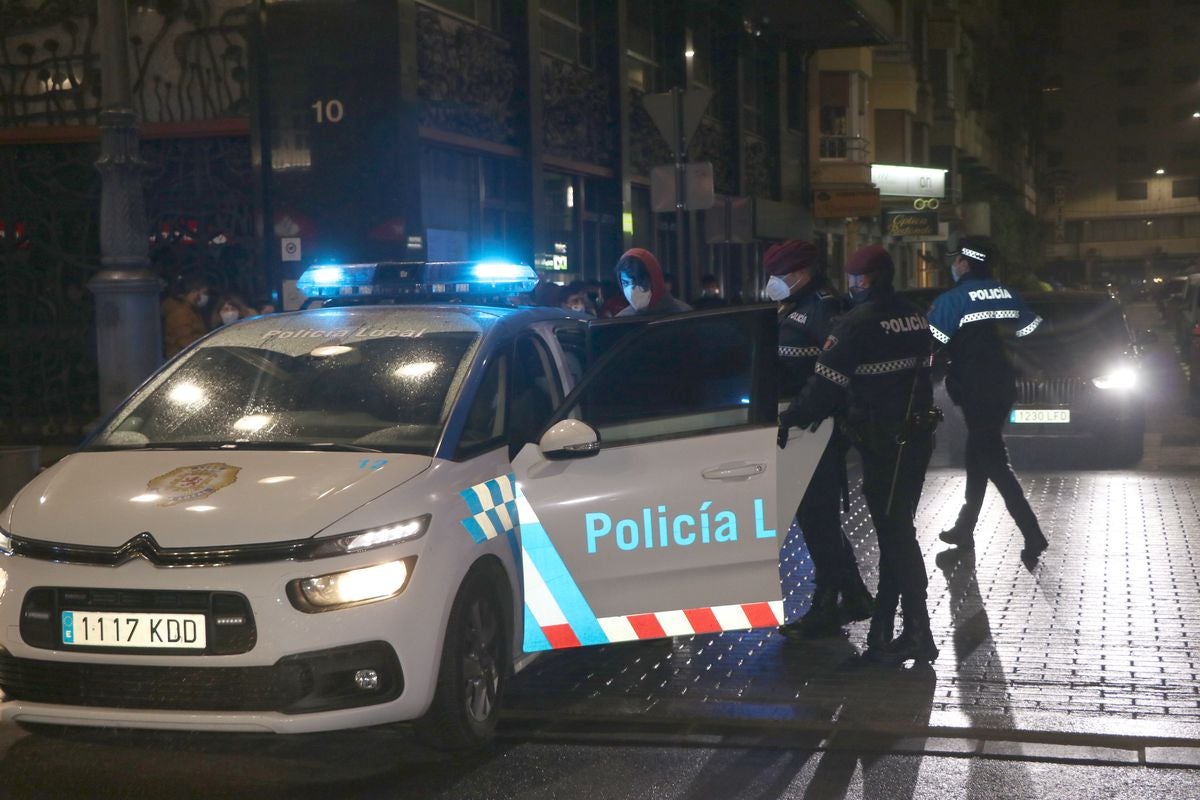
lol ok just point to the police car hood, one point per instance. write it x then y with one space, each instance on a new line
198 498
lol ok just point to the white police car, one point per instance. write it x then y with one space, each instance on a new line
359 514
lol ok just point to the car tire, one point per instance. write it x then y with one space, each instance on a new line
473 671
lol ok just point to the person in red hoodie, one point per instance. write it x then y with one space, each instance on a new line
641 280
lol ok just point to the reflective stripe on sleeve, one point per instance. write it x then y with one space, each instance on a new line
978 316
941 337
798 352
885 367
1030 328
833 375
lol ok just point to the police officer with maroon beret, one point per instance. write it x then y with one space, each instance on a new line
875 366
808 307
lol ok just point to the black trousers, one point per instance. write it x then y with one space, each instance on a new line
987 460
902 577
820 519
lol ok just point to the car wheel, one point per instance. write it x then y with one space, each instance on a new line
473 670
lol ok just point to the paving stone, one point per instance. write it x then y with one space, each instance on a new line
1104 631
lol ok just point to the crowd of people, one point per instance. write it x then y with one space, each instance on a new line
191 309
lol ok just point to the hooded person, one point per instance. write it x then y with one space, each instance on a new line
875 365
808 308
641 280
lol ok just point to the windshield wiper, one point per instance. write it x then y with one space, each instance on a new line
350 448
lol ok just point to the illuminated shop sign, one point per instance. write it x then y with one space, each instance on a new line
902 181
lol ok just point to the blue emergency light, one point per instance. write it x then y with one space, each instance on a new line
464 281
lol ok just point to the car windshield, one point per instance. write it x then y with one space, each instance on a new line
385 393
1075 333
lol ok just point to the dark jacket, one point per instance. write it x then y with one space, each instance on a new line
805 321
966 321
875 365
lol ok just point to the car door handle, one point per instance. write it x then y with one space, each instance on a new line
739 470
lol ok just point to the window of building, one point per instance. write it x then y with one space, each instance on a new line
1131 77
1131 154
842 100
567 27
472 205
1186 187
1132 115
1132 38
1184 74
484 12
797 90
757 82
645 71
1131 190
704 49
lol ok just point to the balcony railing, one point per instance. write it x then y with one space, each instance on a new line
840 147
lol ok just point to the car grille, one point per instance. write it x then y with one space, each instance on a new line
1049 391
271 688
320 680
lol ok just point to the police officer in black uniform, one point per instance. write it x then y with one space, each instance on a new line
982 381
875 365
808 307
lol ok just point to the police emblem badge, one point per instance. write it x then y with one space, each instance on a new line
192 483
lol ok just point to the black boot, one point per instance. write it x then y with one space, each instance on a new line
915 642
961 537
819 621
857 603
879 637
1035 545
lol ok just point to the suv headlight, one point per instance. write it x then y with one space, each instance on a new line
1123 377
6 543
371 538
352 587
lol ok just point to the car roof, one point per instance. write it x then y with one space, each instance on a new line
437 316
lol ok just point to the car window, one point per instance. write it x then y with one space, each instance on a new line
387 393
534 391
695 375
572 340
487 418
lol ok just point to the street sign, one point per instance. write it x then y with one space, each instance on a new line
677 124
730 221
911 223
697 187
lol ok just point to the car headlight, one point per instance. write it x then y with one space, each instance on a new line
6 543
1119 378
352 587
371 538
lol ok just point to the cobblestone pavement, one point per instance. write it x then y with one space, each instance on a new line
1100 639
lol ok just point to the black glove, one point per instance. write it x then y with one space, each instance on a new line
783 435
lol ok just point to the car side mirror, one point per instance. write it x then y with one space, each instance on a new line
569 438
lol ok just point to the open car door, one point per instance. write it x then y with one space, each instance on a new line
657 499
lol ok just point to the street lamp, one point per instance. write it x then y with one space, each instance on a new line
128 327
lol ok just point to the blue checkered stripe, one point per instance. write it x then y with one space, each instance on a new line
493 506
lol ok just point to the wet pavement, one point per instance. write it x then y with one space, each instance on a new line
1096 646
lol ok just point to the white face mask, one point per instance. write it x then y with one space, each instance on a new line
638 297
778 289
229 316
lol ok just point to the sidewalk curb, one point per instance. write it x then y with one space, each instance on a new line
830 735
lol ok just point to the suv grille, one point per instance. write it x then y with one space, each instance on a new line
1051 391
166 688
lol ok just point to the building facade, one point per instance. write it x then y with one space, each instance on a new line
1121 180
280 134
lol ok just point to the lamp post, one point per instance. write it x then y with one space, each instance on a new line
128 327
